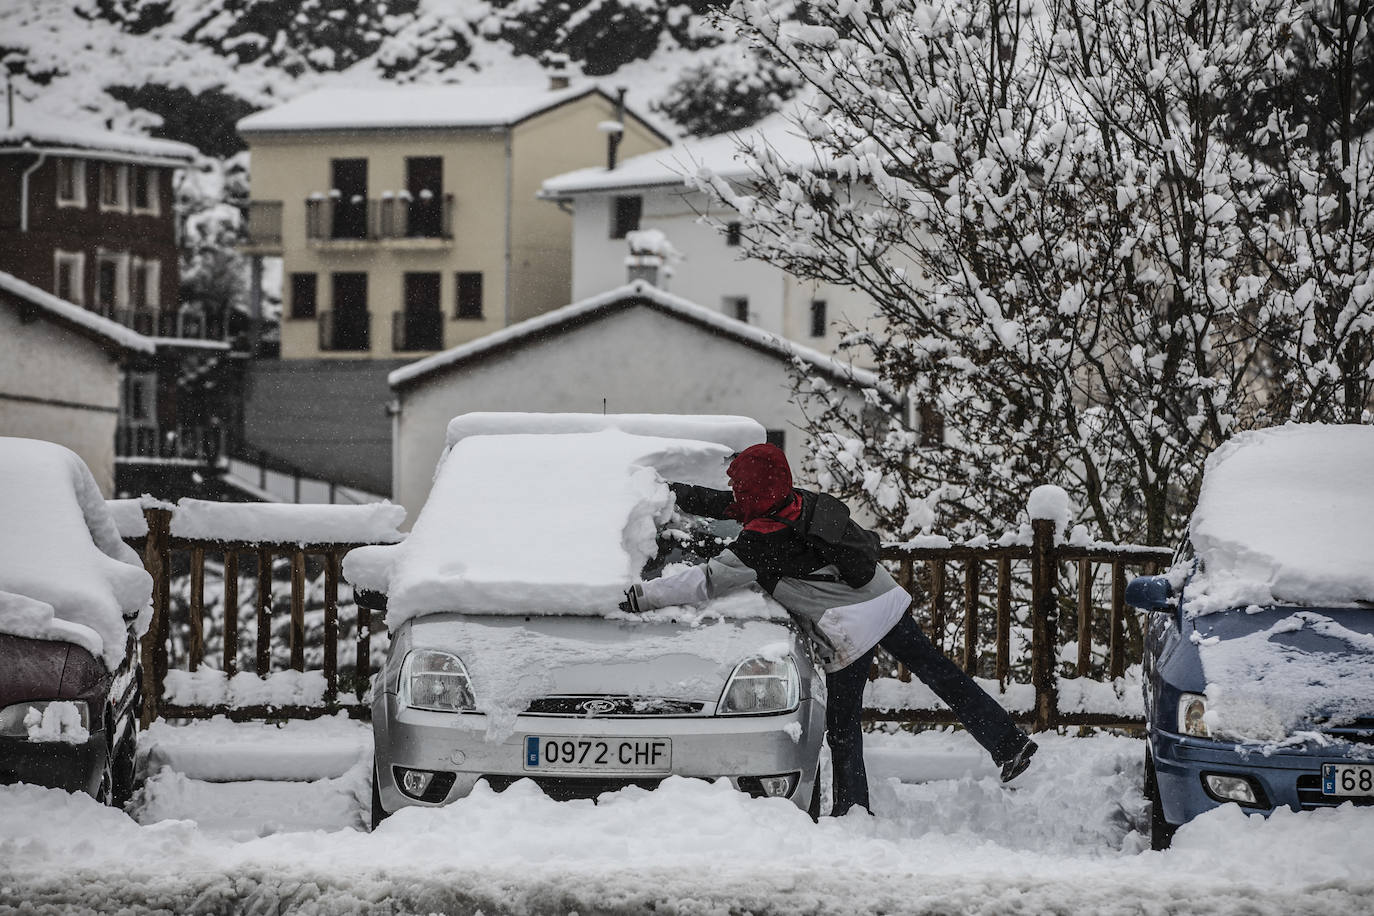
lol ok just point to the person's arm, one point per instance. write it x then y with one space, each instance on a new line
696 584
703 501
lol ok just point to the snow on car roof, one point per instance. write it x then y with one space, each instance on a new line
541 522
1286 516
64 572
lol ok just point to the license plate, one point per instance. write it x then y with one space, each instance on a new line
560 754
1351 779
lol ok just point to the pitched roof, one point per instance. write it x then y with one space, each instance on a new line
414 107
43 134
102 330
722 154
638 293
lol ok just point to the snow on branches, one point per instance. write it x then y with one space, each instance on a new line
1097 235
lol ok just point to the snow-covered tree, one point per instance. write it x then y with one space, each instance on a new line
1092 263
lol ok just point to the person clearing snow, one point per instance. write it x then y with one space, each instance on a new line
802 549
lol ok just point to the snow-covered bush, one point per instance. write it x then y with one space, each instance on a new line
729 89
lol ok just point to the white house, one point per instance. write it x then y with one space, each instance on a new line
634 349
649 192
60 373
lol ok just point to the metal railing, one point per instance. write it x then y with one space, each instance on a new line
379 219
139 439
417 329
349 332
187 323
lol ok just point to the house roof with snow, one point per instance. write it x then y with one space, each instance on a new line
417 108
109 334
35 134
635 295
723 155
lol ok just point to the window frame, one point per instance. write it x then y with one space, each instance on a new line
734 306
619 223
146 272
120 259
119 183
734 234
78 180
77 261
819 324
296 277
154 205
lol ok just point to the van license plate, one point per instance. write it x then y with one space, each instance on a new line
1347 779
559 754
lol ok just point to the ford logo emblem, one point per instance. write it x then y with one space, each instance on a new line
597 707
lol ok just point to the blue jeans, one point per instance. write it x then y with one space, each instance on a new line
985 719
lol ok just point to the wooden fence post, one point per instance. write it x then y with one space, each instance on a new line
196 649
298 610
157 560
1003 664
971 616
331 627
264 643
231 612
1043 613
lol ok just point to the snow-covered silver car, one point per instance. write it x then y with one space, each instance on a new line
509 658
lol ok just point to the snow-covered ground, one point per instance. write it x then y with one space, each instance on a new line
948 838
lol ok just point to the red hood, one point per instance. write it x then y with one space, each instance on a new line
762 483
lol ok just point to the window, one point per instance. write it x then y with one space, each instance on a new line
776 437
145 189
114 190
111 281
425 190
732 234
737 307
71 183
469 295
349 193
145 278
304 295
350 323
818 318
421 325
932 430
625 217
69 276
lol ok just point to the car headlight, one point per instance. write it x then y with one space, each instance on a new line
1192 708
50 719
436 680
761 685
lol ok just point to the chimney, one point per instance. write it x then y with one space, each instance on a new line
650 252
615 129
558 71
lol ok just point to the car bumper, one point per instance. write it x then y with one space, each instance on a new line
54 764
1285 777
705 747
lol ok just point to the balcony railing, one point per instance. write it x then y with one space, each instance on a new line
264 223
347 331
378 219
136 440
189 323
417 329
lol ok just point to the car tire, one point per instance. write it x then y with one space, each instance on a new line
379 813
122 770
1161 831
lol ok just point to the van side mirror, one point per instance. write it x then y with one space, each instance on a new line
1149 593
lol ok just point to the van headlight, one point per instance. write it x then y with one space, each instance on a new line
1192 708
436 680
761 685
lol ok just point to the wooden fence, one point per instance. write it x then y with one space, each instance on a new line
976 612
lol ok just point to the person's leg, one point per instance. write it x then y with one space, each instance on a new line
983 716
844 732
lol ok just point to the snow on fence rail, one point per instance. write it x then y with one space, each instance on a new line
981 621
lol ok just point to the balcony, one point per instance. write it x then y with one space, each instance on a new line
395 220
264 227
348 331
417 330
189 323
144 442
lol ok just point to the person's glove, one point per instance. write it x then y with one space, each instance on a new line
633 596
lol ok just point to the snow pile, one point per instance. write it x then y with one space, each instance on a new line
1048 501
1286 516
217 750
545 513
56 722
63 565
286 523
1283 671
209 687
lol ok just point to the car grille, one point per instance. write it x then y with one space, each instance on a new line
1310 795
568 788
598 707
1361 731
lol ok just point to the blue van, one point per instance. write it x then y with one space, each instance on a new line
1259 644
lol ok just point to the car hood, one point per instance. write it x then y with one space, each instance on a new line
1285 673
513 660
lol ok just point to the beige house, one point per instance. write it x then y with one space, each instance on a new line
60 374
406 218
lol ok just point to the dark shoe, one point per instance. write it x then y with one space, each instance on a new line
1017 765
